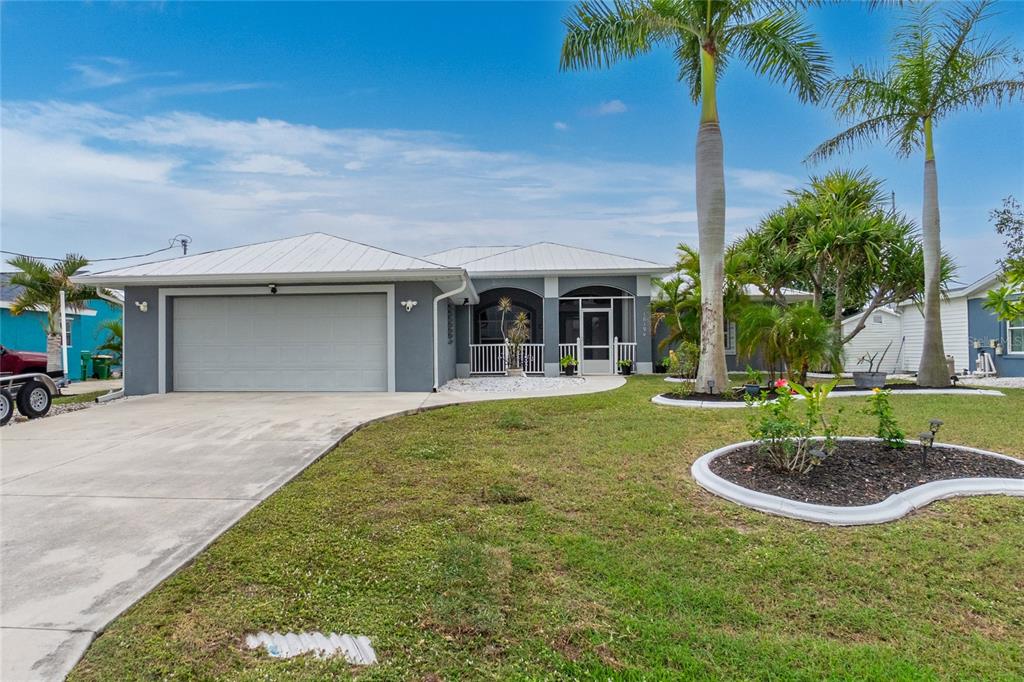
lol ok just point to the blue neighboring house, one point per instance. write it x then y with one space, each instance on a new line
27 332
969 330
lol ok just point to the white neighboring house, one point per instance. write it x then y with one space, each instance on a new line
904 325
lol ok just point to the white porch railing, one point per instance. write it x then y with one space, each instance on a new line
532 357
487 358
623 351
568 349
492 358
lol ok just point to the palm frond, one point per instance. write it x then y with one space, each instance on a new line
782 47
598 34
994 93
955 44
863 132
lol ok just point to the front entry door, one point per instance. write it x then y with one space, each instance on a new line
597 347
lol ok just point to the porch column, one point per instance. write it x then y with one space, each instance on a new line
463 337
644 342
551 366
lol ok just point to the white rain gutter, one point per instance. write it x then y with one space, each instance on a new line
437 348
114 395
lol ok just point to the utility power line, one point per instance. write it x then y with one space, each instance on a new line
182 240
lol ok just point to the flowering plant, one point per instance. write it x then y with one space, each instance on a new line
888 430
789 441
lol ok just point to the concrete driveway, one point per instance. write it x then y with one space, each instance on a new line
99 506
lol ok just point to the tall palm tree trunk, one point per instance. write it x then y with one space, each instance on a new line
711 234
54 352
932 371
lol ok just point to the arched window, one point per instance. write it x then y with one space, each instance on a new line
487 315
607 312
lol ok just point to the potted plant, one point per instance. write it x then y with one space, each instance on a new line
568 364
625 367
753 385
873 378
517 335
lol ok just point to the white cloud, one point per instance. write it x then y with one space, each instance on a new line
104 72
561 125
765 181
269 164
610 108
85 178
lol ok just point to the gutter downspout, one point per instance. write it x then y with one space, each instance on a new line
437 348
113 395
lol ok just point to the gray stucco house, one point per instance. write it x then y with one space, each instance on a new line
321 313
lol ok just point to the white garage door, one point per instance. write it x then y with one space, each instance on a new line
330 342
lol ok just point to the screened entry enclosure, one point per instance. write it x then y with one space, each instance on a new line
597 326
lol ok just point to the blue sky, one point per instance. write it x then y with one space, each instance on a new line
418 127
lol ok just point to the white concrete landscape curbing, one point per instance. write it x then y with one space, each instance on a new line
891 508
710 404
920 391
673 402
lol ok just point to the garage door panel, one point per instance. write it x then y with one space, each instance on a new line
281 343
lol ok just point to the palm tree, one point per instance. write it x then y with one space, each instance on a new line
678 302
939 66
41 286
703 35
797 336
114 343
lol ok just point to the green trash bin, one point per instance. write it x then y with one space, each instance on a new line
86 358
101 366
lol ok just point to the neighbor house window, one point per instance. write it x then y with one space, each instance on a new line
1015 333
730 337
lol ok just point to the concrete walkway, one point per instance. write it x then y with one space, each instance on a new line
99 506
91 386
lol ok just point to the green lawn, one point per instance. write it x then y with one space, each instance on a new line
80 398
564 538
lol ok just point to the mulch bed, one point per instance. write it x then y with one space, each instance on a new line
899 387
860 472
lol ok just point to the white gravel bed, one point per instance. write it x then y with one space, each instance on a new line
510 384
997 382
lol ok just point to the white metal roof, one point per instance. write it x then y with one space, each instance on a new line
547 257
463 254
310 257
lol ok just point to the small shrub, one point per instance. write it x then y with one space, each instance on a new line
787 440
682 389
682 362
503 493
888 430
513 419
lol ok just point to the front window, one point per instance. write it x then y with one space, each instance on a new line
487 315
730 337
1015 334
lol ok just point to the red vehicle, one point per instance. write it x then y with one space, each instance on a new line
21 361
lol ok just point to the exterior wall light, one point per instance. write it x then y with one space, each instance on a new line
409 305
143 306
